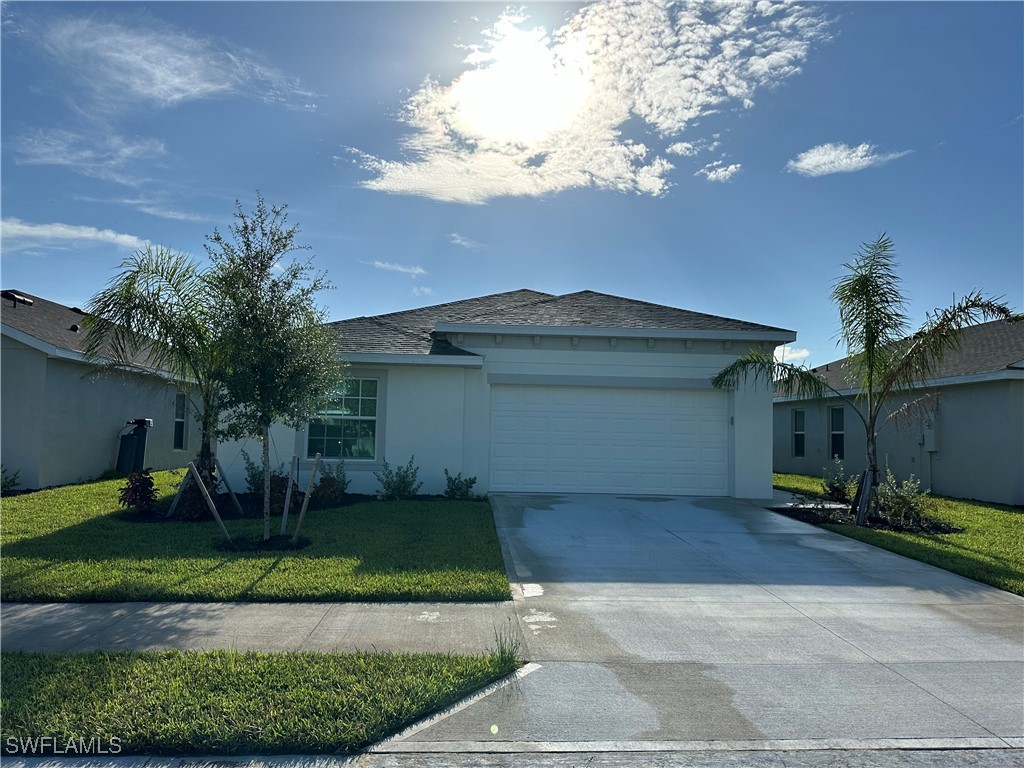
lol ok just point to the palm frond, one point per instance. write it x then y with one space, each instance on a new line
912 412
918 358
152 315
872 311
786 378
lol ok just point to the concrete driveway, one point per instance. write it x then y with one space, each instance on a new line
666 624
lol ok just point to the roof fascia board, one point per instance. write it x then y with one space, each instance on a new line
29 340
63 353
1008 374
780 335
391 358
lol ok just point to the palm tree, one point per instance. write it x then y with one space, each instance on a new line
154 317
883 363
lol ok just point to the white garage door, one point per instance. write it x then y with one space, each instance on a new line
605 440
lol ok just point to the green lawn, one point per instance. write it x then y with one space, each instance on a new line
990 549
225 702
69 544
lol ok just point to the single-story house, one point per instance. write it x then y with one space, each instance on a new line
533 392
61 417
970 446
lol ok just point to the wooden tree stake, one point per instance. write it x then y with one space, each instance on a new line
224 479
305 501
177 496
293 477
209 501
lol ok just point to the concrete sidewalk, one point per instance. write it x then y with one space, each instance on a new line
465 628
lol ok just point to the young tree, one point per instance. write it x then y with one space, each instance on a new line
154 317
884 363
280 362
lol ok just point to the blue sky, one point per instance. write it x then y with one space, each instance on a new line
726 159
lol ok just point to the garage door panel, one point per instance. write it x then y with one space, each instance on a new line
608 440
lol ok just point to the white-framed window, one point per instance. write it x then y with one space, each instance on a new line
181 421
348 427
837 432
799 436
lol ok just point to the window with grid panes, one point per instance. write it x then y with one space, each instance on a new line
348 427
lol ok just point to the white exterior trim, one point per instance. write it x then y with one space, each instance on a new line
391 358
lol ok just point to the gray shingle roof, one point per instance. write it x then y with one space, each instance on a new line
410 332
984 348
589 309
45 320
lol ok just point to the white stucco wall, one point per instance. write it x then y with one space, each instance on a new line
424 416
61 422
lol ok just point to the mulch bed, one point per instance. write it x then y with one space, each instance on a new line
821 515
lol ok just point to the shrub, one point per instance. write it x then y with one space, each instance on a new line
332 486
9 481
835 484
399 483
278 483
458 488
139 492
902 505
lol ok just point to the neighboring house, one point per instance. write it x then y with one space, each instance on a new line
971 446
60 416
530 392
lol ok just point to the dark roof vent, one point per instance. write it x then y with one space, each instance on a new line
75 328
16 298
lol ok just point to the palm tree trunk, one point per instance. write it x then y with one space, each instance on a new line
205 453
870 508
266 482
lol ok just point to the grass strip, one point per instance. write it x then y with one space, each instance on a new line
230 703
990 549
71 544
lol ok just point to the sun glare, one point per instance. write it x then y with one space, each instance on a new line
522 90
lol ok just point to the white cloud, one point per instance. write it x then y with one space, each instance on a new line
412 271
535 113
788 354
154 64
422 290
465 242
839 158
17 235
108 156
147 205
718 171
684 148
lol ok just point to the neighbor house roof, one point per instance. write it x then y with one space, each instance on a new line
413 331
51 323
48 326
984 349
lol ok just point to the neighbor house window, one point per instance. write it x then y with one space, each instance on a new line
180 422
837 432
348 428
798 434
